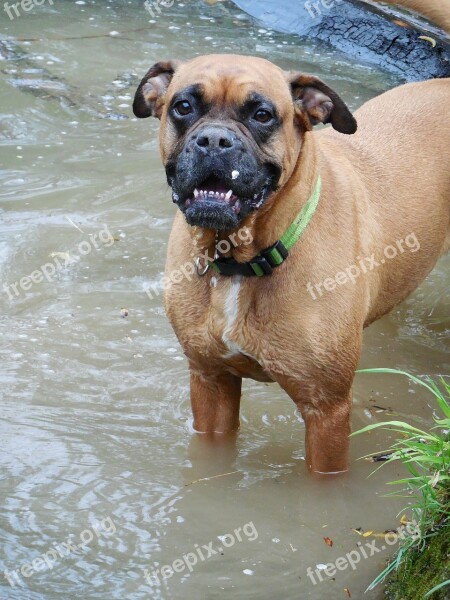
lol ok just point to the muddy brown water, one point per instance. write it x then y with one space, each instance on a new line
96 438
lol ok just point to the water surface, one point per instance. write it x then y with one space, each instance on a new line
95 417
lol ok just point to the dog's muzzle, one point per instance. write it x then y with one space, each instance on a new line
218 179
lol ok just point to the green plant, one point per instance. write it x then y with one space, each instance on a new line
426 455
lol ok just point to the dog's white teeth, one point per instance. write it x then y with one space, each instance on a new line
235 175
228 195
211 194
217 195
222 196
196 193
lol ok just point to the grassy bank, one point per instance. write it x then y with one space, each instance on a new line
421 567
422 570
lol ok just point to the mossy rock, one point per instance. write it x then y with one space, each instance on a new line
422 570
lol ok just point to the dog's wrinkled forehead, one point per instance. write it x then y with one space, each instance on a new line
225 81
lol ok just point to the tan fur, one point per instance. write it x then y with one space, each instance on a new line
436 10
387 181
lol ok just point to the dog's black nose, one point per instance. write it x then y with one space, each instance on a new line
215 138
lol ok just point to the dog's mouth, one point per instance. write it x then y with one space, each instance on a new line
213 190
214 204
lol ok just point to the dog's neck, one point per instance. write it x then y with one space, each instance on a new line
266 225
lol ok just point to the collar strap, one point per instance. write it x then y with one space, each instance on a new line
267 260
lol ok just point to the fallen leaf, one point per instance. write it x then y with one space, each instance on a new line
401 23
379 457
124 312
374 534
426 38
404 520
328 541
347 591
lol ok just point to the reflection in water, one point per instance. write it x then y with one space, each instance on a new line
95 416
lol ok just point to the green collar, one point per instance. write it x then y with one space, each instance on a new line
267 260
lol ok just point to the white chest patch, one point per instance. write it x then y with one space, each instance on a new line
231 311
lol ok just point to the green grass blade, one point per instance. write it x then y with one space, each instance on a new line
437 587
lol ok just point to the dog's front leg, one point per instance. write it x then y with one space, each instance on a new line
327 414
215 400
327 435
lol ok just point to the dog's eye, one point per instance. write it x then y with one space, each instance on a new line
263 116
183 108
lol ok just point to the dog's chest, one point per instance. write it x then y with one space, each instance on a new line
218 325
228 311
231 314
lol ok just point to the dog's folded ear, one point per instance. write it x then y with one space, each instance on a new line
149 97
320 103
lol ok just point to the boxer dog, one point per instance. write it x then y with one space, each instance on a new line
288 300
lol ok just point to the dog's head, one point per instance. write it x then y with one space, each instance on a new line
232 130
